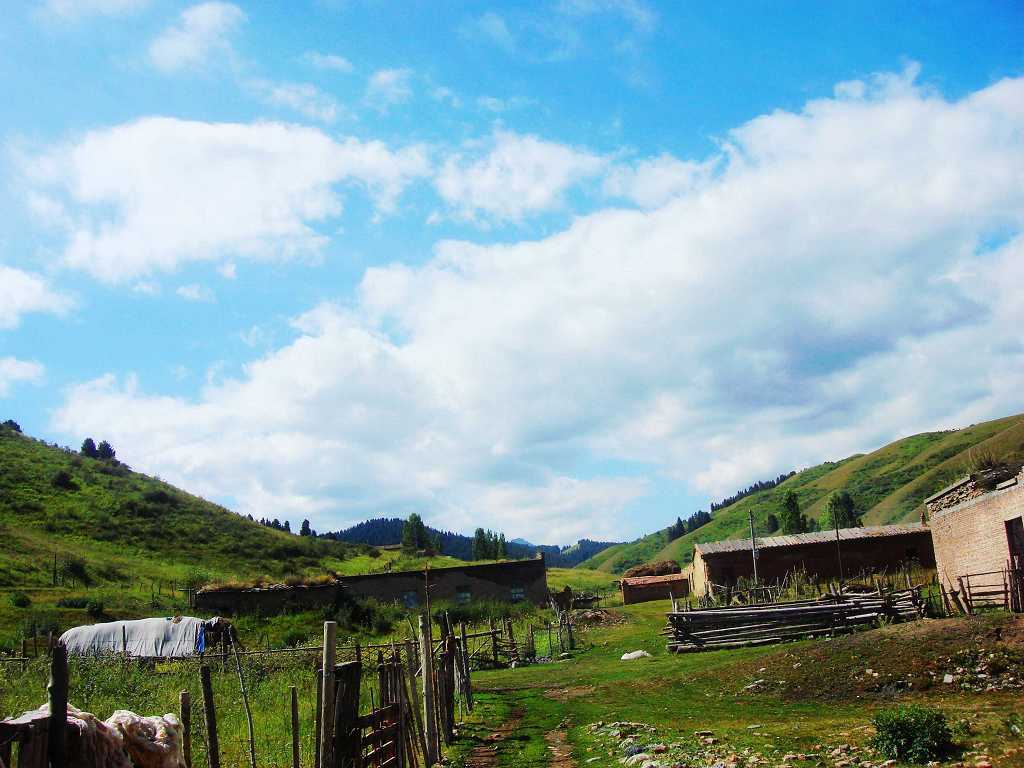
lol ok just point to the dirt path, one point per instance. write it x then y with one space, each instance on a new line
561 751
485 755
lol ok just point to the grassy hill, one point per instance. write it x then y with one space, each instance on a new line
889 483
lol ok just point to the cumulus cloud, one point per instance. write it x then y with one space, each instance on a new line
203 31
24 292
329 61
14 371
195 292
304 98
387 87
518 175
654 181
491 27
72 10
149 195
848 273
638 14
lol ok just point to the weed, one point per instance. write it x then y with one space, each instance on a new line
913 733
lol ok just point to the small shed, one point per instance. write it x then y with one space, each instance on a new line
168 638
643 589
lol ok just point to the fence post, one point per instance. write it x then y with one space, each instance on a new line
212 746
185 716
494 641
58 695
295 727
316 718
429 714
327 703
347 738
468 689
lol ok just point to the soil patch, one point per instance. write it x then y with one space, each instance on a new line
561 752
565 694
485 755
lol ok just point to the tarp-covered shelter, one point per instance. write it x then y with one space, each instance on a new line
168 638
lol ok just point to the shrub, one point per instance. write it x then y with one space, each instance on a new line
20 600
62 479
95 608
914 734
72 602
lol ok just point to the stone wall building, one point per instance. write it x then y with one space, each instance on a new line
977 531
511 581
869 549
643 589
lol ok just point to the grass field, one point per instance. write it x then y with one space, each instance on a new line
806 699
815 696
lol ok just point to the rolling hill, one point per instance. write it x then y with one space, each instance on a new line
889 484
107 524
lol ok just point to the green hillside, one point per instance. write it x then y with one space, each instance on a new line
889 484
106 523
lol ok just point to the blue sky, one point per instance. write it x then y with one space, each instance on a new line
561 269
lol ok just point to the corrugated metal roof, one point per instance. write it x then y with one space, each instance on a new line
817 537
636 581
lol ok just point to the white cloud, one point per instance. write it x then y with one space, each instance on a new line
195 292
203 31
638 14
492 28
653 182
149 195
387 87
495 104
14 371
304 98
72 10
828 288
329 61
24 292
519 175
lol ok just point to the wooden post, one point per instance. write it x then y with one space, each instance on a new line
245 700
185 716
327 703
58 695
429 714
210 713
347 743
468 689
24 653
295 727
494 641
410 660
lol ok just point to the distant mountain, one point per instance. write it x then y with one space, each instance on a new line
888 485
384 531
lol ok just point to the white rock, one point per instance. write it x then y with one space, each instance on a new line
947 678
634 655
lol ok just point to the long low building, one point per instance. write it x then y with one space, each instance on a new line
511 581
643 589
872 548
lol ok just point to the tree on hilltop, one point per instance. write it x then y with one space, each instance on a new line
89 448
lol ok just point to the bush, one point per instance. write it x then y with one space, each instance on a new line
95 608
62 479
20 600
914 734
72 602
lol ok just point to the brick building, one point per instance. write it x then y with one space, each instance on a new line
643 589
510 581
872 548
976 530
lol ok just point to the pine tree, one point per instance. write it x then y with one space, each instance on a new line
304 529
479 544
89 448
105 451
841 509
790 518
287 526
502 552
772 523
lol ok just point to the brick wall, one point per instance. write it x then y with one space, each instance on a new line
970 537
519 579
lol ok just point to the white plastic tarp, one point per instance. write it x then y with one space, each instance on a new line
150 638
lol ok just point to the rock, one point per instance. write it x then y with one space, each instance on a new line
703 733
659 748
789 758
753 727
983 764
638 759
634 655
947 678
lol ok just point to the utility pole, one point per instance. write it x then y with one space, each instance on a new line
839 552
753 544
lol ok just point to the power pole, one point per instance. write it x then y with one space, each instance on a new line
753 543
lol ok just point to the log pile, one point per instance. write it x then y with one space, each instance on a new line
739 626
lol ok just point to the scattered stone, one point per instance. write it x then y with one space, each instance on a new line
634 655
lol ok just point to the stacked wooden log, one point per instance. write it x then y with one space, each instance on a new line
738 626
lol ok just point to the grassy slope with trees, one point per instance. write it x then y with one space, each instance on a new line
887 485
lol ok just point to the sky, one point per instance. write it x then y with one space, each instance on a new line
561 269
